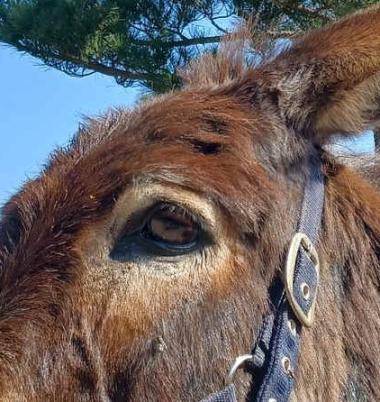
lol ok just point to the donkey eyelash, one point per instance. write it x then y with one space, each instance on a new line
138 219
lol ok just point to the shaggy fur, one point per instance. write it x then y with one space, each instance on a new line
77 325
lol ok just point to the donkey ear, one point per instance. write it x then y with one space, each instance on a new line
328 82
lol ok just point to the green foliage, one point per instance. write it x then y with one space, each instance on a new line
146 41
295 15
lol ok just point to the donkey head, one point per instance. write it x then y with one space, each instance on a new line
138 265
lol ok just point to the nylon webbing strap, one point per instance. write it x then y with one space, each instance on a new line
228 394
281 362
275 355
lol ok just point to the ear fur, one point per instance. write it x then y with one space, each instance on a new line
327 82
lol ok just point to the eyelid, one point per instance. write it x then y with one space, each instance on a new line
138 199
138 219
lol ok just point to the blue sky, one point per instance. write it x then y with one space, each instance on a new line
40 109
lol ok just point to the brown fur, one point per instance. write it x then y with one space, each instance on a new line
76 325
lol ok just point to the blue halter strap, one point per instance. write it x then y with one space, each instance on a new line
275 355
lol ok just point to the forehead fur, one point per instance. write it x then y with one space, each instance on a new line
190 116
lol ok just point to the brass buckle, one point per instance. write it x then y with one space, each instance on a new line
300 239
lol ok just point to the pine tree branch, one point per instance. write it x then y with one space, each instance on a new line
212 18
180 43
217 26
61 58
314 13
283 34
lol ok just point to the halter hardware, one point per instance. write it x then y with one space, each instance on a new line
238 363
306 317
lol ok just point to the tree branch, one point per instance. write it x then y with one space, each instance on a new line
89 65
212 18
314 13
180 43
217 26
283 34
178 32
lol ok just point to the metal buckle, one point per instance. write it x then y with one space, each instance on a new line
300 239
239 361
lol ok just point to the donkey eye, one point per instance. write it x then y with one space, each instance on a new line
172 225
165 230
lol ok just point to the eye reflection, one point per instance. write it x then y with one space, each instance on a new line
172 225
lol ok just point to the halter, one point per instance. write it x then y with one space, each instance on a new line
273 362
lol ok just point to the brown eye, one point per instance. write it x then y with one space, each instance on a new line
173 226
166 230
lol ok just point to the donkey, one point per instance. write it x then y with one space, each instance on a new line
142 261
